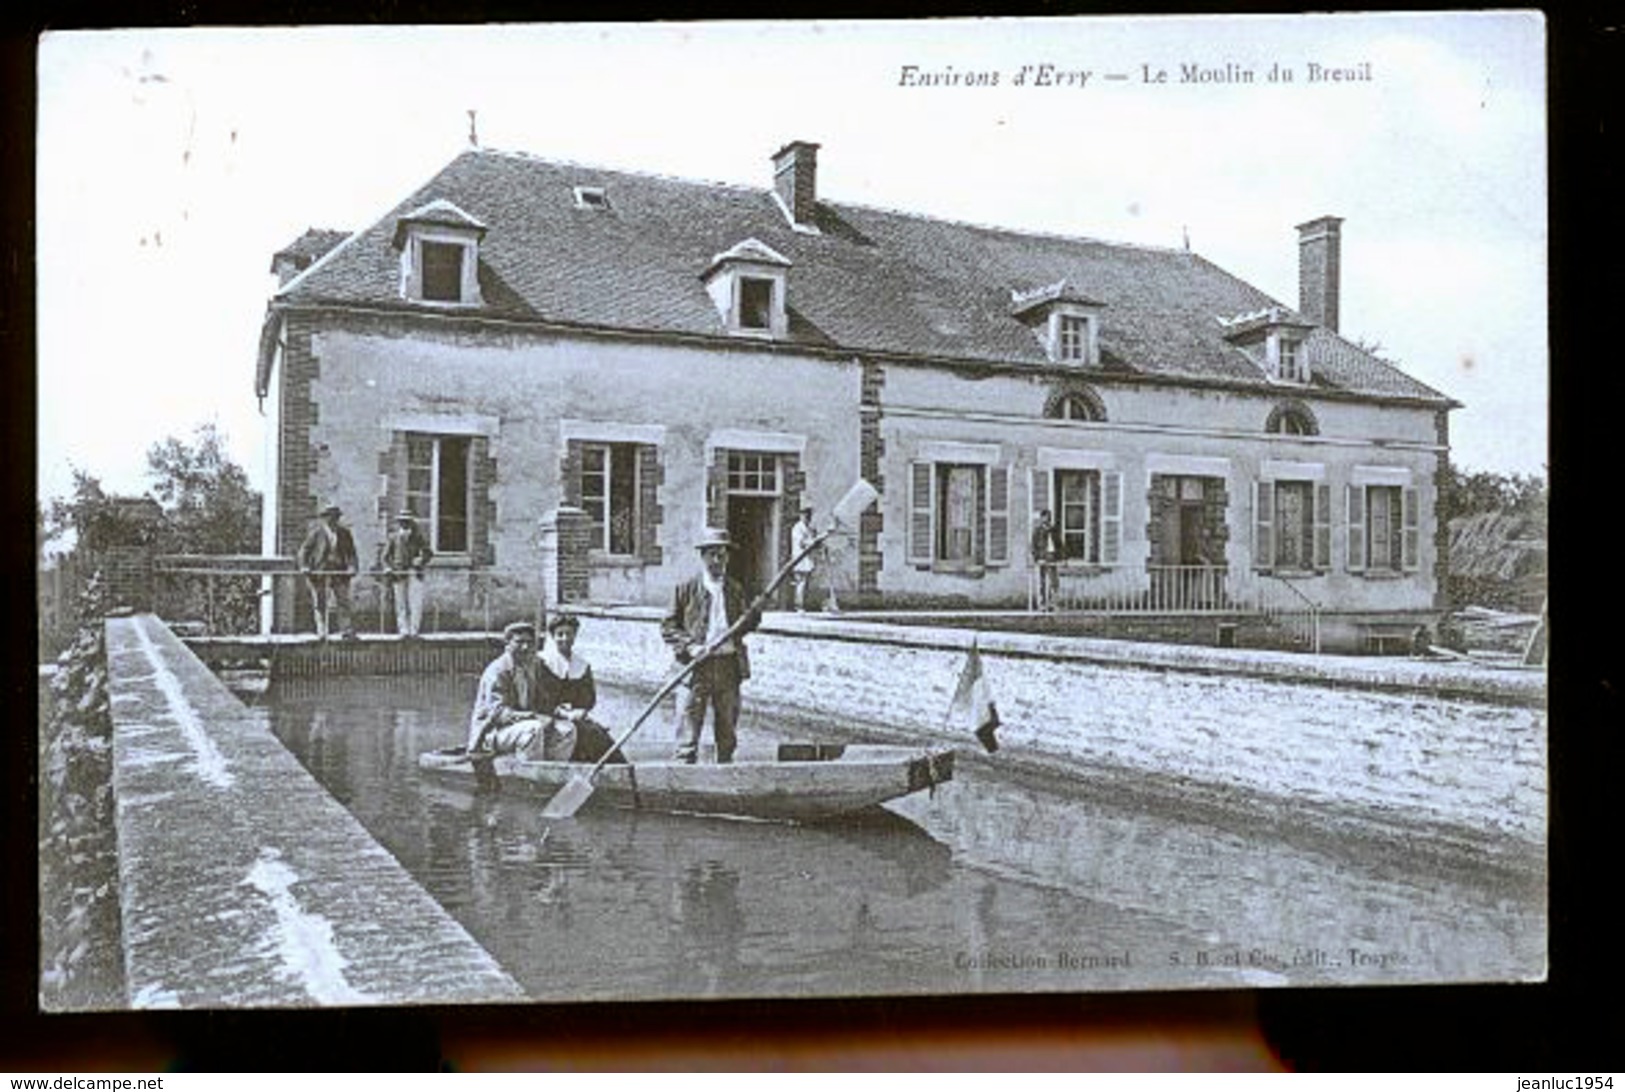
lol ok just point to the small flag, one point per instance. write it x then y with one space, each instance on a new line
972 704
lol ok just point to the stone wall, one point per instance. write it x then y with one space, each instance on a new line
1393 743
243 883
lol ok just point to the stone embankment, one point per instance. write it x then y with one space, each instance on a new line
81 962
243 882
1401 748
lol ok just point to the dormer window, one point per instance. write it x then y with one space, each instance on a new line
591 197
439 245
1065 322
747 285
1289 362
1274 339
1074 338
755 303
443 271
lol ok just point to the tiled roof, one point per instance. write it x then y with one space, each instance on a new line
868 281
311 245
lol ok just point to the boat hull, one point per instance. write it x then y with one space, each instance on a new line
796 783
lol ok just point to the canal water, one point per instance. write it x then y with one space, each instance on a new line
997 881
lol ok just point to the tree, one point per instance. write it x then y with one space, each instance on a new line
88 517
1470 492
200 503
208 505
209 508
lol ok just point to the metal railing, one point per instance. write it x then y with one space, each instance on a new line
1184 590
1150 589
223 593
1296 614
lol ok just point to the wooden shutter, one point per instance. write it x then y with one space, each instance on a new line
1111 516
921 514
1412 535
998 515
1356 528
1263 525
648 505
1323 526
1037 498
716 490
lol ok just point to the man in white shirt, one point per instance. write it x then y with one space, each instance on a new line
800 536
704 607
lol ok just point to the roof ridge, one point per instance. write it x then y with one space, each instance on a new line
768 190
534 157
1005 229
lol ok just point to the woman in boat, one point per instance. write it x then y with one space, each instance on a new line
513 709
568 689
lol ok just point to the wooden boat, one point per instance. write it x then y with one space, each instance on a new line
796 782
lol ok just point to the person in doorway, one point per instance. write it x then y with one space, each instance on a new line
327 559
511 710
1046 556
801 536
569 693
704 608
406 557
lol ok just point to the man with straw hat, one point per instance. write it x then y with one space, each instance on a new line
703 609
406 556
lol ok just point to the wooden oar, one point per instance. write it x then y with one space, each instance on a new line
568 800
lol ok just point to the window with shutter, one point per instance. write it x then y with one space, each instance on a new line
1037 496
1384 547
1323 526
1111 519
998 515
1264 525
1412 544
1077 506
921 524
1355 503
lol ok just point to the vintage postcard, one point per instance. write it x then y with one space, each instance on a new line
791 509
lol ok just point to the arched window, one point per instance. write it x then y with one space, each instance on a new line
1292 419
1075 403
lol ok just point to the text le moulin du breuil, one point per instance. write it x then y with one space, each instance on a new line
1048 75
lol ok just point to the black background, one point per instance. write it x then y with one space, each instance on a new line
1570 1024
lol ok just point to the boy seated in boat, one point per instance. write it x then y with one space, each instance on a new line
512 709
568 690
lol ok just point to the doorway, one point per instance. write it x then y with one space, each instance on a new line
1187 545
752 526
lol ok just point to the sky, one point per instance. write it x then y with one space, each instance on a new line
172 163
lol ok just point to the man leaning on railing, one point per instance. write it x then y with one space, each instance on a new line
328 561
406 556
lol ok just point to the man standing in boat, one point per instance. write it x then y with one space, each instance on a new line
703 608
512 709
568 690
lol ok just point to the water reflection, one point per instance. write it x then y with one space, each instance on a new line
992 882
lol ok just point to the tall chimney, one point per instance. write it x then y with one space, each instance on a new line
1319 269
795 179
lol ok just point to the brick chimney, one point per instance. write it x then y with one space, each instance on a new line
1320 245
795 179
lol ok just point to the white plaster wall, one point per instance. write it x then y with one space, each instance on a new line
527 384
924 406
